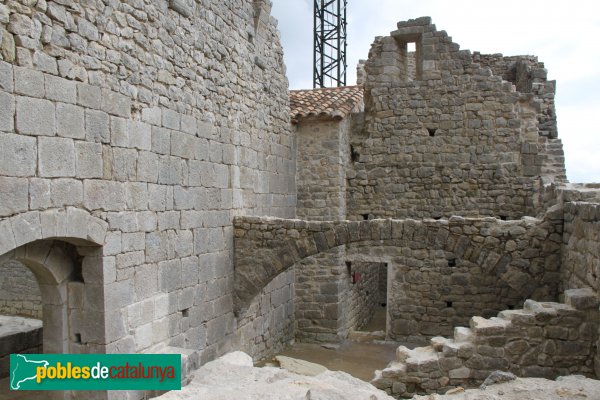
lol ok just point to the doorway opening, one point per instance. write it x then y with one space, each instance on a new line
368 296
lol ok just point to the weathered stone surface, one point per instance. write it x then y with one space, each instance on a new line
18 156
35 117
88 160
7 118
28 82
300 367
58 89
97 128
212 381
56 157
70 121
14 193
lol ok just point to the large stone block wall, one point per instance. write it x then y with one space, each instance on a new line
457 140
19 291
164 123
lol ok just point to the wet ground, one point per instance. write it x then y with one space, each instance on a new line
358 359
377 323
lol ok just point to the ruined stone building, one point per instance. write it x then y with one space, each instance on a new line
162 191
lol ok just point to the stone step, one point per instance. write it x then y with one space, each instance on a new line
488 327
438 343
517 316
422 359
582 299
394 370
461 349
404 354
462 334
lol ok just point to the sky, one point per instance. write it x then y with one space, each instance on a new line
564 35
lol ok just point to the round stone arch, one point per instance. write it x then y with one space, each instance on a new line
265 247
63 249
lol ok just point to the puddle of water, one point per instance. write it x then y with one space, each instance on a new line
358 359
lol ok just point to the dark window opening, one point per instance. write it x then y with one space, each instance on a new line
511 307
503 218
365 216
431 131
448 304
437 218
452 262
354 156
77 338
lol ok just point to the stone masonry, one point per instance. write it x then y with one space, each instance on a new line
169 194
19 291
442 272
151 124
458 139
541 340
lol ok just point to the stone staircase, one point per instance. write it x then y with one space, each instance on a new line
553 165
543 339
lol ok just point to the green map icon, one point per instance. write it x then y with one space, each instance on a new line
23 369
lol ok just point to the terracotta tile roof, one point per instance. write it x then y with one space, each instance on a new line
335 102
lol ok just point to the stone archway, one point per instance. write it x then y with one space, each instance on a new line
63 250
518 252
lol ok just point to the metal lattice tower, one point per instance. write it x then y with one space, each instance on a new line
330 43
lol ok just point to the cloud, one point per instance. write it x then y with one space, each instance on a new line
563 35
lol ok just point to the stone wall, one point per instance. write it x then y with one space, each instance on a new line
438 282
441 272
542 340
163 119
269 324
456 140
323 153
581 252
321 311
19 291
529 76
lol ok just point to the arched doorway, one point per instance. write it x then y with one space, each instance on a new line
63 250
